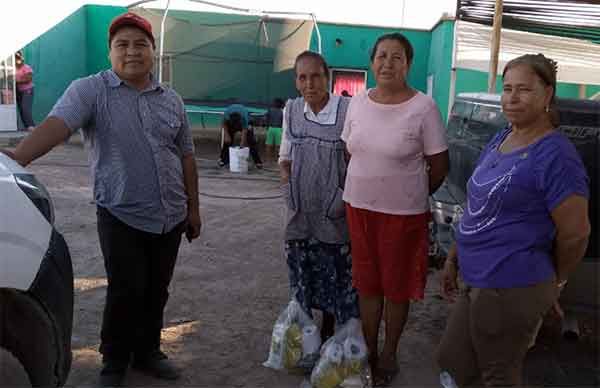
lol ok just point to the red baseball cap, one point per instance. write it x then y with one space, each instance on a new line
130 19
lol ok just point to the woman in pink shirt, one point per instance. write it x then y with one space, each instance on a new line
24 79
398 156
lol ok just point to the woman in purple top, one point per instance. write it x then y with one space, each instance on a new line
524 229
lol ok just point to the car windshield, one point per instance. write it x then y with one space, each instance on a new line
485 122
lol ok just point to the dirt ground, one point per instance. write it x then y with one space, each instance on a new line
230 285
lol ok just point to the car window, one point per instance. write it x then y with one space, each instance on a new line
461 112
485 122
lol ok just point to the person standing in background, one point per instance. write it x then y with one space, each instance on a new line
24 80
274 128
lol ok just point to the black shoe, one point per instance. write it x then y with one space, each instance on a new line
157 365
112 375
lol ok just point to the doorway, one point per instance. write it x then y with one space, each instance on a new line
350 81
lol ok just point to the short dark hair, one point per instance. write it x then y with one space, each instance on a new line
234 122
403 40
312 55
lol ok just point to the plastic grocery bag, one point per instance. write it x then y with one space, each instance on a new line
344 358
295 341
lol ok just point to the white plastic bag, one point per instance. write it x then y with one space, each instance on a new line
343 358
295 341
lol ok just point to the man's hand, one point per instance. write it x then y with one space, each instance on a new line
8 153
190 181
44 137
194 225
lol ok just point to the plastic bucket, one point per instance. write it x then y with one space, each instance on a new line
238 159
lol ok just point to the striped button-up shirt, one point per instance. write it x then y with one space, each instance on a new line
136 141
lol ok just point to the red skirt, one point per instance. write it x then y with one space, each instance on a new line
389 253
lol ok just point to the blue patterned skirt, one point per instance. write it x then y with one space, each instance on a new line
321 277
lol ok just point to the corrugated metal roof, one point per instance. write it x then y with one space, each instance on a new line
568 18
577 59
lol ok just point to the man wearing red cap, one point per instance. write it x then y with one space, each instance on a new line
145 188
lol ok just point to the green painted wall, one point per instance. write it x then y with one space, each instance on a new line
433 54
74 48
357 42
471 81
57 57
569 90
440 63
591 90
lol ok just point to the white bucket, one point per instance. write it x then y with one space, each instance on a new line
238 159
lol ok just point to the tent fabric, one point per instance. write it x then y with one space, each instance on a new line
577 59
211 57
567 18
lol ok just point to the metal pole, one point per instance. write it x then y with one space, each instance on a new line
496 36
5 69
582 91
314 18
452 91
403 9
162 41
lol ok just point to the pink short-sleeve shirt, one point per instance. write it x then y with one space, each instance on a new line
20 75
388 143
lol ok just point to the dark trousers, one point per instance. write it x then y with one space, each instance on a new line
489 331
25 106
251 144
139 267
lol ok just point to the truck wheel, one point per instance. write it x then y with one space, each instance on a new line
28 333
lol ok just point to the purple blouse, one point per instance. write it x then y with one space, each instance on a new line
505 237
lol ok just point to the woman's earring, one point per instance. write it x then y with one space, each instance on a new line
547 108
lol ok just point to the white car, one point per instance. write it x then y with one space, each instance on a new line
36 279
